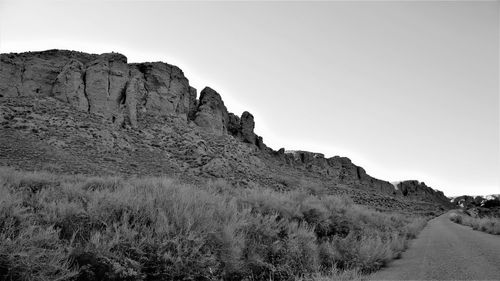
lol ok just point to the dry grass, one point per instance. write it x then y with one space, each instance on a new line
77 228
488 225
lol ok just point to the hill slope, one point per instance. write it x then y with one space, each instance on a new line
72 112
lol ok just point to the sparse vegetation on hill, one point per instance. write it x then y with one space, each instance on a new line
71 112
487 224
56 227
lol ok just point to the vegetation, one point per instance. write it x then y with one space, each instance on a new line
78 228
486 224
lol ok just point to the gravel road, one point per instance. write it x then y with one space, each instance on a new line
445 250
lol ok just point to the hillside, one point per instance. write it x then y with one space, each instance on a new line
71 112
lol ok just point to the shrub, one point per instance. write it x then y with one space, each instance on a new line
456 218
486 224
161 229
35 253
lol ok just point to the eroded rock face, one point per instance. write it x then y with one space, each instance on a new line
243 127
70 86
134 92
11 70
338 168
34 73
107 85
193 103
38 76
167 90
212 114
247 127
234 125
420 191
103 84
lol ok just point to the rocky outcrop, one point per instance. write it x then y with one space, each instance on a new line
193 103
420 191
34 73
212 114
134 90
243 128
105 85
234 125
338 168
69 85
167 91
343 170
120 92
102 84
247 127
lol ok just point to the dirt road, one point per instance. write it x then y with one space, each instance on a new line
445 250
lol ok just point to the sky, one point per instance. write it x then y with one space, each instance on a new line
405 89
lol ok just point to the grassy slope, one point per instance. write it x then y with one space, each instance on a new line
489 225
56 227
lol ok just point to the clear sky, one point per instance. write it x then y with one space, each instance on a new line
407 90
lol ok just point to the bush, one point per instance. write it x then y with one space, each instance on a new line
162 229
489 225
35 253
456 218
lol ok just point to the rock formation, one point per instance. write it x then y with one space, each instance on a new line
101 84
106 85
420 191
69 85
337 167
212 114
137 95
243 127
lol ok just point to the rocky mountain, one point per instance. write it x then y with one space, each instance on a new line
73 112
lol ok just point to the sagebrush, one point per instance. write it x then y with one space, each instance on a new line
79 228
486 224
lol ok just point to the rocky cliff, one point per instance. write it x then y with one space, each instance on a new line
107 85
149 119
420 191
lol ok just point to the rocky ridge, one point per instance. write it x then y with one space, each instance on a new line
145 118
419 190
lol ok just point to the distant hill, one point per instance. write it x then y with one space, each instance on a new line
467 201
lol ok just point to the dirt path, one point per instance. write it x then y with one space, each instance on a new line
447 251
